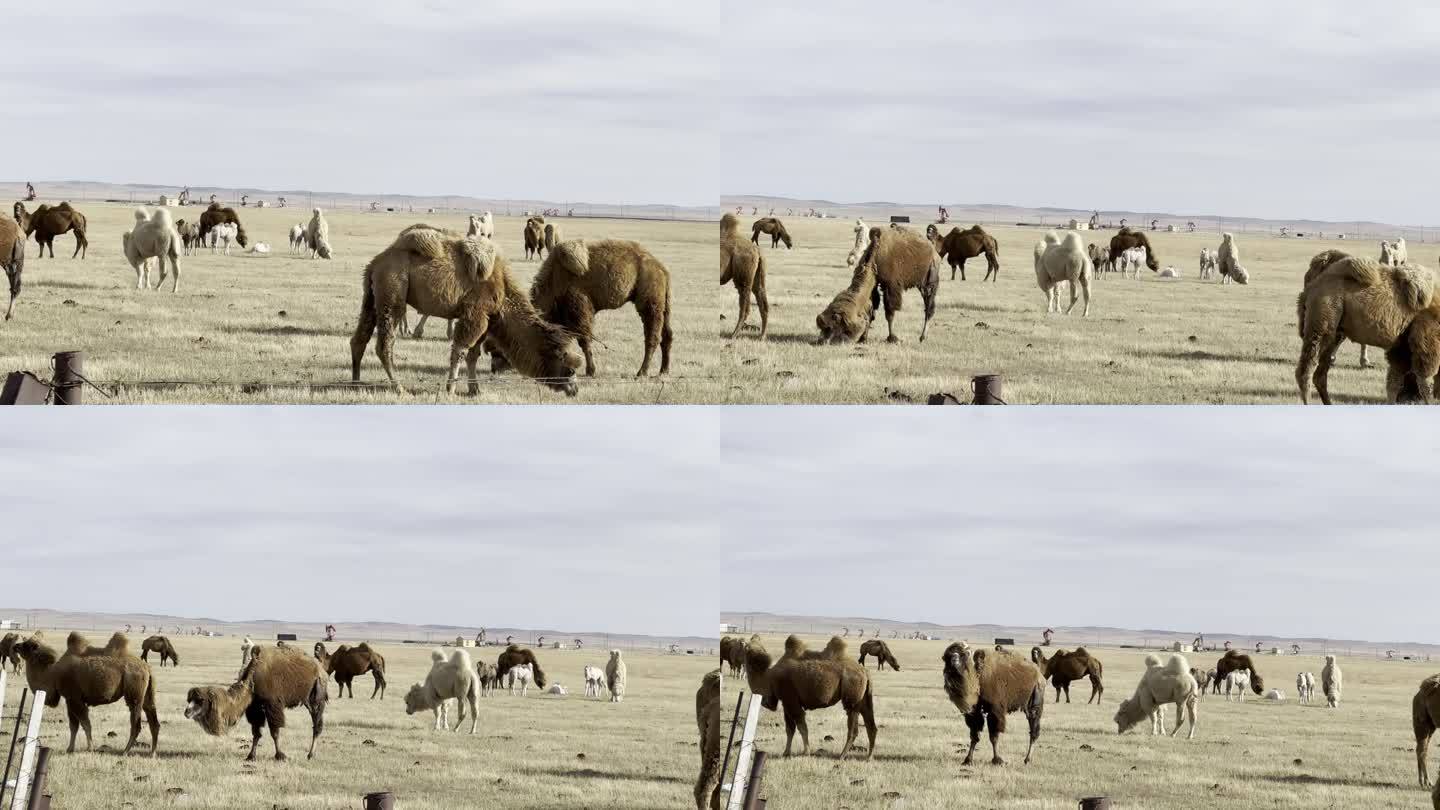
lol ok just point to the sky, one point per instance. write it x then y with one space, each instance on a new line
512 517
564 100
1275 109
1281 522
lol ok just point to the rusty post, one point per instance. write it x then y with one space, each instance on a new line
38 799
69 388
757 775
1095 803
986 388
384 800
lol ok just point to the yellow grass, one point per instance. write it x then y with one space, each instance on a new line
527 752
1255 754
1146 341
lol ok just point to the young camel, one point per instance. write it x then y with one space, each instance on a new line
742 264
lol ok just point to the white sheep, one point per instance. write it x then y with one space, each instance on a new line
1059 261
1330 679
482 226
1170 682
615 677
154 237
1305 687
317 235
297 237
594 681
1207 263
222 235
524 674
1237 682
862 241
447 679
1227 261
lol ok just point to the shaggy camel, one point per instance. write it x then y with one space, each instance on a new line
988 686
732 653
276 679
447 679
902 259
514 656
1162 684
1128 238
1318 263
1234 660
579 279
8 651
317 235
1064 667
153 237
443 274
347 663
707 718
615 674
1425 712
218 214
189 236
881 651
1062 259
161 646
534 237
848 317
49 222
772 226
1357 298
89 676
485 673
12 258
802 681
1330 682
742 264
957 246
1414 361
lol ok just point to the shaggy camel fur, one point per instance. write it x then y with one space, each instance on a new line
160 645
8 652
347 663
1234 660
772 226
515 655
1425 713
317 235
486 677
534 237
1060 260
1227 261
447 679
957 246
218 214
1170 682
1360 299
902 259
802 681
153 237
1064 667
848 317
1330 681
1099 258
89 676
579 279
707 718
276 679
189 236
49 222
1128 238
551 237
12 258
1318 263
732 653
1202 679
443 274
987 686
615 672
881 651
1414 361
742 264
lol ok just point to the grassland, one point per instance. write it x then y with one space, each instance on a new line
539 751
1255 754
252 324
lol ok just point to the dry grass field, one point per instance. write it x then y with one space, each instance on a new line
1255 754
539 751
1146 341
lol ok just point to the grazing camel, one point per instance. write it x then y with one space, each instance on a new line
12 258
742 264
772 226
348 663
1063 667
881 651
514 656
732 653
218 214
161 646
49 222
8 651
534 237
88 676
277 678
802 681
902 259
957 246
1234 660
1128 238
987 686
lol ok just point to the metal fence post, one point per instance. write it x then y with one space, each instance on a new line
27 755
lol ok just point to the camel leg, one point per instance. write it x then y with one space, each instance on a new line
134 728
1067 694
80 245
472 362
1194 706
975 721
929 290
385 342
1322 368
379 684
152 719
962 271
762 303
1085 289
1033 713
174 268
892 305
799 723
996 724
789 731
652 319
1307 366
418 333
74 717
744 310
867 713
275 738
1423 732
852 729
364 329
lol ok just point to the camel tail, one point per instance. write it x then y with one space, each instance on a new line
1402 356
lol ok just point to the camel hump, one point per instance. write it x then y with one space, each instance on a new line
478 258
1418 284
162 216
76 644
118 645
460 658
836 647
1363 270
794 647
424 240
362 647
140 215
436 656
572 255
1177 665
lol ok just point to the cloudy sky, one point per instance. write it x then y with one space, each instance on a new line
561 100
1311 522
597 521
1280 109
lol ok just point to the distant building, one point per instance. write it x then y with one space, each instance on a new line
729 628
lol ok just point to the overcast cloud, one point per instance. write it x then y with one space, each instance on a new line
590 519
1274 521
562 100
1281 109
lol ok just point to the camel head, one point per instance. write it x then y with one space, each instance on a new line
962 681
1129 715
757 669
729 224
217 708
415 699
615 656
1038 657
322 655
22 218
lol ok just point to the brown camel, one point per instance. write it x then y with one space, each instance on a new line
772 226
12 258
1233 660
488 679
802 681
987 686
1425 712
1318 263
1358 298
8 651
93 676
49 222
848 317
534 237
707 718
881 651
1128 238
732 654
514 656
742 264
579 279
160 645
1064 667
903 259
275 679
957 246
1414 361
443 274
218 214
347 663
